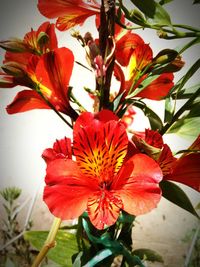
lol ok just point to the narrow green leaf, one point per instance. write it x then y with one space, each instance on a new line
154 119
186 93
100 256
169 109
77 262
156 14
65 247
179 85
148 254
176 195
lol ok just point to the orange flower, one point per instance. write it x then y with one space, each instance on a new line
101 181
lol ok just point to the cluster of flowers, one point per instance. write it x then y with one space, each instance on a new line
103 170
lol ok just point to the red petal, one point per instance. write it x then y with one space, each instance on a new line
166 160
100 149
87 118
153 138
159 88
70 13
61 149
67 190
53 71
137 184
103 209
186 170
26 100
125 47
49 29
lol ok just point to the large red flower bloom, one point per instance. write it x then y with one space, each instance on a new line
68 12
100 180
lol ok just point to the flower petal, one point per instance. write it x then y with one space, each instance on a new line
103 209
67 190
61 149
70 13
186 170
53 72
137 184
26 100
125 47
159 88
101 148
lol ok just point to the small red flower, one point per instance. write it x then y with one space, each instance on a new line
101 181
50 75
185 170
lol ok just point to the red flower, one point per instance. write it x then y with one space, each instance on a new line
185 170
51 76
19 53
135 55
68 12
100 180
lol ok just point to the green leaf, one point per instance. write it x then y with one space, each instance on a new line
100 256
155 13
65 247
176 195
196 2
186 93
169 109
148 254
154 119
186 127
179 85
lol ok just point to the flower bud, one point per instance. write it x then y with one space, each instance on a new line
165 56
14 45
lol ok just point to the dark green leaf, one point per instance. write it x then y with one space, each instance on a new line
100 256
155 12
148 254
65 247
196 2
179 85
176 195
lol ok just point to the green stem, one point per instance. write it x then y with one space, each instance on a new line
180 112
49 243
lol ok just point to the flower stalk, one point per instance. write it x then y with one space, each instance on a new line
50 242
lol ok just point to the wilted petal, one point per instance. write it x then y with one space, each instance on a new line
137 184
